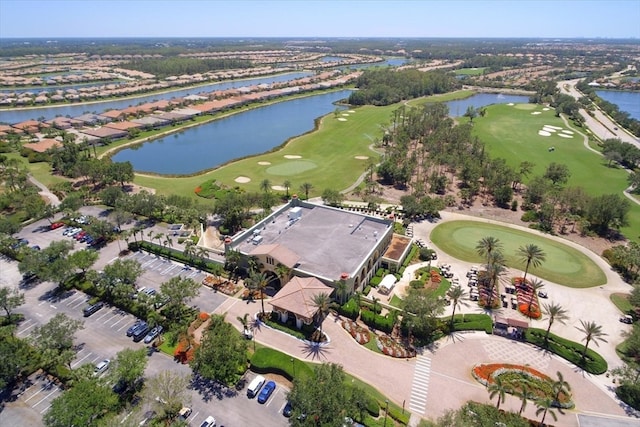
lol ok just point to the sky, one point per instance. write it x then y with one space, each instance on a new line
320 18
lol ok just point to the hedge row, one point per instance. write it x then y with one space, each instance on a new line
381 323
174 255
569 350
267 360
473 322
350 309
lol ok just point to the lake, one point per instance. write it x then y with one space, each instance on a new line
625 100
17 116
253 132
213 144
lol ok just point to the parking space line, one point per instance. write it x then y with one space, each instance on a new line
26 329
45 398
33 395
121 319
122 327
73 365
115 315
193 416
81 296
104 315
45 409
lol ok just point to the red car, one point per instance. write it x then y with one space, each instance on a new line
80 235
57 225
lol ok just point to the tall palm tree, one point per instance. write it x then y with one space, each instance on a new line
535 285
593 332
305 188
531 255
560 386
265 185
259 282
555 312
321 302
497 388
487 245
244 320
524 394
374 303
287 185
545 406
494 271
282 272
341 287
455 294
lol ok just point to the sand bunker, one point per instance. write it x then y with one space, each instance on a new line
351 111
546 109
511 104
242 180
292 156
264 163
362 157
278 188
345 114
544 133
552 127
564 136
535 113
342 119
546 129
568 132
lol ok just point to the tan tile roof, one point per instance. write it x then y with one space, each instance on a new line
43 145
122 125
112 114
297 296
280 253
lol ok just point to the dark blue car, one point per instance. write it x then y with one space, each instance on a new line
266 391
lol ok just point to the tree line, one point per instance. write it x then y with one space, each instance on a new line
175 66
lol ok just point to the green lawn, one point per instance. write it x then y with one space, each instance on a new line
470 71
564 265
622 302
511 132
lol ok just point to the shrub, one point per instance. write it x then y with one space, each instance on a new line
366 290
529 216
425 254
472 322
629 394
267 360
375 281
350 309
569 350
416 284
376 321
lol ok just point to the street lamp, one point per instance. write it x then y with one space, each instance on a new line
386 411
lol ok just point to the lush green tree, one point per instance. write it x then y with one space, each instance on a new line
423 311
607 210
592 332
323 398
332 197
557 173
554 312
169 392
306 187
85 404
634 181
178 291
222 353
10 299
129 365
473 414
259 282
125 271
55 338
532 255
83 259
16 355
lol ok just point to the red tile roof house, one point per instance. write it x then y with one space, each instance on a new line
114 115
43 145
30 126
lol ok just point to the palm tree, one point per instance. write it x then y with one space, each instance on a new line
374 302
244 320
535 285
305 188
282 272
494 271
287 185
341 287
233 259
545 406
559 387
496 388
555 312
321 302
259 281
593 332
487 245
531 255
189 249
455 294
524 394
265 185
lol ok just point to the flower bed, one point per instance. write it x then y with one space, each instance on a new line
527 301
392 348
513 377
360 334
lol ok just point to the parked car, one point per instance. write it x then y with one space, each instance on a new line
184 413
140 333
80 235
209 422
136 326
101 367
266 392
543 294
91 309
153 334
57 225
287 411
626 319
248 334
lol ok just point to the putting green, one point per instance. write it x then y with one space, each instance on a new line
291 167
564 265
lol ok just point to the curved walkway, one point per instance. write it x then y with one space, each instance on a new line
45 192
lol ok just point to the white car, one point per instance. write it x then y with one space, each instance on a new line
101 367
209 422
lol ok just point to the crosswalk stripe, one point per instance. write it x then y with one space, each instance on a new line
420 385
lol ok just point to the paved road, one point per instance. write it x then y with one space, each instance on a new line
600 124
